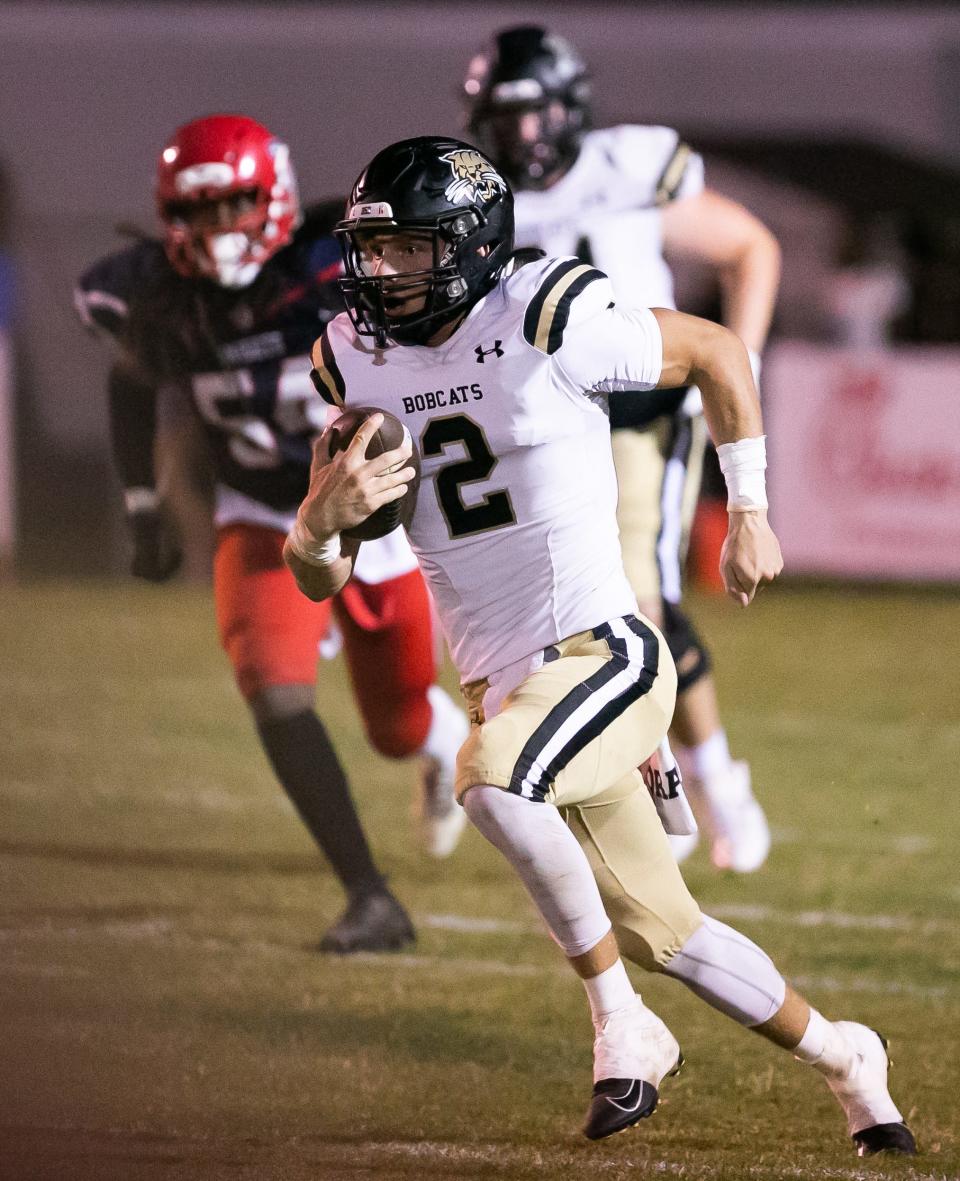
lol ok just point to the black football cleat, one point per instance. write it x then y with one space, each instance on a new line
892 1138
633 1052
373 921
618 1104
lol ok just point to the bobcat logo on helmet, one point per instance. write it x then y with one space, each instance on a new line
474 177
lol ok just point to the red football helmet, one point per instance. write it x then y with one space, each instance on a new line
227 196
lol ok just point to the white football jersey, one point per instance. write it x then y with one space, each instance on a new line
608 208
515 522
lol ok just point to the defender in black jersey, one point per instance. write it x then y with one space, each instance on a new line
212 328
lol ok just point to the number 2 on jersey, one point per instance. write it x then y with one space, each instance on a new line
495 509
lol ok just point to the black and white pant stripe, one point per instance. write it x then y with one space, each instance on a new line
586 711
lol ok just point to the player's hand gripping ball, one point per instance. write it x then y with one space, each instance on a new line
390 435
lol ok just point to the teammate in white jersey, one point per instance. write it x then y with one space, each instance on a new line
618 198
501 372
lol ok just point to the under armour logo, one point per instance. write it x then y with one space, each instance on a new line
482 352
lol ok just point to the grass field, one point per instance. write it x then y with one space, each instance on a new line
162 1015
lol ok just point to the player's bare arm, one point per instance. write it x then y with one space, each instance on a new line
712 229
699 352
344 490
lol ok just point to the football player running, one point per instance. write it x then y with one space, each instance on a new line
500 368
618 198
213 327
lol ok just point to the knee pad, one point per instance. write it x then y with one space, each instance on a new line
729 972
689 653
538 844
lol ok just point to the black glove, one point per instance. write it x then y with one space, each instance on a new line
156 549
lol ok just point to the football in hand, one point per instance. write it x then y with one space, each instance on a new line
390 435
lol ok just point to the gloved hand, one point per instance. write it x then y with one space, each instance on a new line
156 548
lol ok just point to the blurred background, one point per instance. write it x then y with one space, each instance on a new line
835 123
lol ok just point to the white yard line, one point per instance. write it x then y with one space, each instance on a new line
480 926
437 964
499 1159
829 918
508 1156
145 926
163 929
745 912
909 844
170 933
875 987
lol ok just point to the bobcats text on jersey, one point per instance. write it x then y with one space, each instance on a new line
458 395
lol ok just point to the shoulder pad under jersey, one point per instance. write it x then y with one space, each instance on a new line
104 291
556 293
326 374
654 160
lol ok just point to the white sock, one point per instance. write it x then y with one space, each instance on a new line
448 729
608 992
826 1049
552 866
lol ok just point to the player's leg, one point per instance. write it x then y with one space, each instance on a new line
633 1049
739 835
719 785
639 455
659 470
549 741
659 927
597 706
391 648
270 632
731 973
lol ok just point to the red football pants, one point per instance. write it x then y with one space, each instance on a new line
271 632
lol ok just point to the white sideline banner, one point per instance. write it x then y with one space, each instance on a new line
864 454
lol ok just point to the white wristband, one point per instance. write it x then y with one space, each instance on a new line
140 500
309 549
743 464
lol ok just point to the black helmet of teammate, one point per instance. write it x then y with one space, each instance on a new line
441 187
528 99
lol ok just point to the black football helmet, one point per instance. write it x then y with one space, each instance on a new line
436 186
528 104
